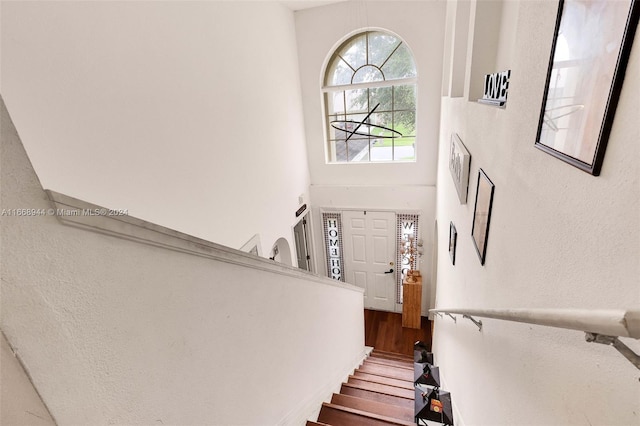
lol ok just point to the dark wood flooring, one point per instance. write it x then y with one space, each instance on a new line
384 331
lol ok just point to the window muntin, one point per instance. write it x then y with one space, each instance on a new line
370 98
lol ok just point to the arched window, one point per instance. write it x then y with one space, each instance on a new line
370 100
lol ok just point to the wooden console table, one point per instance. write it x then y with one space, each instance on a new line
412 303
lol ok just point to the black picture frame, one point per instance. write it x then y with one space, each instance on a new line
589 56
453 240
482 214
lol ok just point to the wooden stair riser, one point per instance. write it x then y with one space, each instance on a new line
390 363
375 407
404 384
386 389
381 370
394 362
392 355
380 392
337 415
348 389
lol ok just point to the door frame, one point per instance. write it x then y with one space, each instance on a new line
332 209
308 233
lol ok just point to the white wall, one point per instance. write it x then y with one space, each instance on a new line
398 187
20 404
114 331
186 113
559 238
320 30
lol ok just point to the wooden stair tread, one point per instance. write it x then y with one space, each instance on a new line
380 408
338 415
379 393
405 384
391 363
349 389
402 362
386 371
392 355
386 389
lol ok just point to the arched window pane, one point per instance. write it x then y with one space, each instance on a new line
339 73
400 64
374 119
354 52
381 46
367 74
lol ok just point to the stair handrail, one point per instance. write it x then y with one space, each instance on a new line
599 325
611 322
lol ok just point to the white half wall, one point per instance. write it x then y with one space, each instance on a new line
188 114
558 238
115 331
20 404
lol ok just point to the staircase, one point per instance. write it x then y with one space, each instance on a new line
380 392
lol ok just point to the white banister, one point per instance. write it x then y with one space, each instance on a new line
616 322
600 325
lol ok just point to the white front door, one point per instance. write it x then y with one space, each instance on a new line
369 256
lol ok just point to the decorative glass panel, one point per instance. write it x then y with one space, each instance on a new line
407 225
332 223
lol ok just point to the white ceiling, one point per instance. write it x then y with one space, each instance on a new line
306 4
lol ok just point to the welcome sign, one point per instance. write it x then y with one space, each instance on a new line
496 87
333 242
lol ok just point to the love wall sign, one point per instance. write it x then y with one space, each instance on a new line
496 87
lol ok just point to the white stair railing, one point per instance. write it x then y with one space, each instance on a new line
600 326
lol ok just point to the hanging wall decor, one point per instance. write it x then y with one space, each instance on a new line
453 238
496 87
332 224
459 164
589 56
407 228
482 214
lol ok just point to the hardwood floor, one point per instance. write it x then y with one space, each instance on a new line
384 331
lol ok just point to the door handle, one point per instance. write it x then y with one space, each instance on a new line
390 271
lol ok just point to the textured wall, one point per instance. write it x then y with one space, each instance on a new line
118 332
20 404
186 113
559 238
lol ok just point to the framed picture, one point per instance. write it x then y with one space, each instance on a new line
453 237
459 163
482 214
590 51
